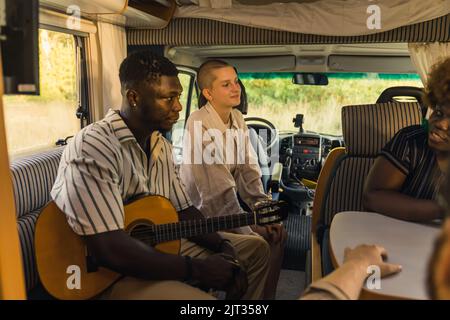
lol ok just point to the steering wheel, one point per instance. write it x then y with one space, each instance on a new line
257 124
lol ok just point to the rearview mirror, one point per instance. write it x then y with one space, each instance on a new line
315 79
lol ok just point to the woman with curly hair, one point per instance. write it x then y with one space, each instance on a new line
405 179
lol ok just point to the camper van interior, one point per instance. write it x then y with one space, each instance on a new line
325 88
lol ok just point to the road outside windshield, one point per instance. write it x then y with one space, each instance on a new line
275 98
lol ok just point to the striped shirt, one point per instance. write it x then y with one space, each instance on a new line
103 166
409 152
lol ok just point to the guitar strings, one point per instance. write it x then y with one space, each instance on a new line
164 234
193 223
183 225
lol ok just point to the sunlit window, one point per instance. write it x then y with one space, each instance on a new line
37 122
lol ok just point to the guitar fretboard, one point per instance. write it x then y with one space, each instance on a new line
190 228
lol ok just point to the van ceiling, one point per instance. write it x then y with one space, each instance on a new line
258 50
312 58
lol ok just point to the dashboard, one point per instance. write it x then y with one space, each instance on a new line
307 141
301 153
307 152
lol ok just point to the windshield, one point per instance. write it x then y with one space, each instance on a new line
274 97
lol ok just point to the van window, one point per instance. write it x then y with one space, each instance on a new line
274 97
37 122
189 102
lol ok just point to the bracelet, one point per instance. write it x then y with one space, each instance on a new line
188 262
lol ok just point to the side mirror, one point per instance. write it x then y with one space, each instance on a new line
315 79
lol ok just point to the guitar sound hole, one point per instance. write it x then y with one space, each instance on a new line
143 232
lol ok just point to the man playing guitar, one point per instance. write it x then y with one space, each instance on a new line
124 156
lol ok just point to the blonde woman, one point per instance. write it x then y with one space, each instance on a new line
214 184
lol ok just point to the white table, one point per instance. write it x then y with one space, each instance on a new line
408 244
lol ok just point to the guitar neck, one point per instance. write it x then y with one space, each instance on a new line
192 228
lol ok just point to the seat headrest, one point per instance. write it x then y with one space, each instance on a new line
201 100
243 106
367 128
389 94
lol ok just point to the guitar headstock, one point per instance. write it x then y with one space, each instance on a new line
270 211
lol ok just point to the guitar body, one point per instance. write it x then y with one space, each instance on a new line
60 252
68 272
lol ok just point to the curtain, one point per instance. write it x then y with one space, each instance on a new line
113 49
425 55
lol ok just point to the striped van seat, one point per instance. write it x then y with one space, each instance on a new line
26 226
33 178
366 129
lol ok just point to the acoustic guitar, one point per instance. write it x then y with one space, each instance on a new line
67 271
